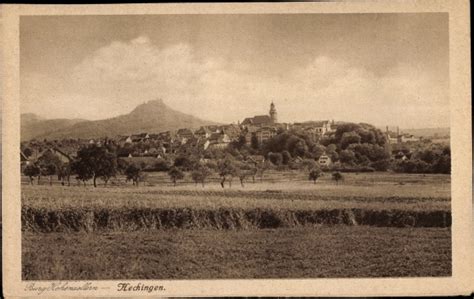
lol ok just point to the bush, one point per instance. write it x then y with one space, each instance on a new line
314 174
175 174
337 176
412 166
275 158
161 165
133 174
381 165
286 157
281 167
185 163
31 171
308 164
346 168
201 174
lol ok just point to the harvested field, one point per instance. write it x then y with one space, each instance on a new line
265 230
321 251
55 209
72 220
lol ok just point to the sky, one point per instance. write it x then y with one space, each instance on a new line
383 69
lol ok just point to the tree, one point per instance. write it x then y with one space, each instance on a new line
94 162
309 164
263 167
337 176
380 165
49 170
254 143
347 156
244 170
239 143
253 172
443 164
82 171
185 163
299 149
226 169
161 165
318 150
314 174
27 152
349 138
64 174
275 158
175 174
286 157
31 171
108 168
133 174
49 164
200 174
122 165
331 152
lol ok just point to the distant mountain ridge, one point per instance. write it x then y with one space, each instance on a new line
428 132
33 126
152 116
421 132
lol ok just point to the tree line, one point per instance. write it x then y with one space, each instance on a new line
98 162
352 147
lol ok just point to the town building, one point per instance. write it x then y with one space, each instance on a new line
219 140
325 161
262 120
397 137
265 133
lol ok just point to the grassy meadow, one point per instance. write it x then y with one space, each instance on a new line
370 225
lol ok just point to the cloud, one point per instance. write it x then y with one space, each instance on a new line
116 78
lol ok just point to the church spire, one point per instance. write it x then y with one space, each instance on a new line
273 112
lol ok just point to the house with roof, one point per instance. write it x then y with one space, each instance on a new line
265 133
248 132
324 160
203 132
397 137
400 156
184 135
63 157
219 140
262 120
317 128
232 130
408 138
258 120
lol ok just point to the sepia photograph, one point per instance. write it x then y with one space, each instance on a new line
241 146
234 146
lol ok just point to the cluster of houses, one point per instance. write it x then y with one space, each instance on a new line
398 138
259 128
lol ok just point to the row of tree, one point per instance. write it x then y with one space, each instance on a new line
97 162
352 147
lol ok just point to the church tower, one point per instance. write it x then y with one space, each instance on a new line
273 113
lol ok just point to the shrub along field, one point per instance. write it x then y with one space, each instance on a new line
392 225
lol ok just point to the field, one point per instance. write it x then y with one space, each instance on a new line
371 225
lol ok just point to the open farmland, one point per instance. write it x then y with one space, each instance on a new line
391 225
324 251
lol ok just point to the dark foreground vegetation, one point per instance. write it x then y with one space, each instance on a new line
322 251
